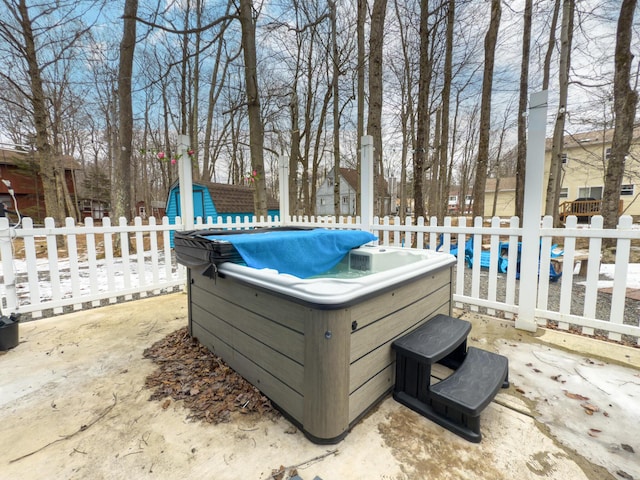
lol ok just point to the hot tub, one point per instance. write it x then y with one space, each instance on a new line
320 347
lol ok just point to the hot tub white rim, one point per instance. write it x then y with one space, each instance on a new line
313 291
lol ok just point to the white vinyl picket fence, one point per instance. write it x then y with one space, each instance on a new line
49 268
40 278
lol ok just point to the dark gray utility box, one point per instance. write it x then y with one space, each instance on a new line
9 334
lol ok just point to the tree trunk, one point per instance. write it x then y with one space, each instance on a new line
555 168
625 100
45 155
122 185
294 157
421 144
443 181
551 46
407 118
336 110
521 161
485 109
374 122
194 119
361 20
215 89
256 129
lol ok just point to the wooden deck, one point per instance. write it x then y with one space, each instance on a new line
584 209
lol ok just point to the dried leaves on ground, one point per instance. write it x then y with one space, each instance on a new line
210 389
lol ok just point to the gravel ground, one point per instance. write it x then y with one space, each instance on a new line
603 303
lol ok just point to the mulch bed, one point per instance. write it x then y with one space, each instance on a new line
209 388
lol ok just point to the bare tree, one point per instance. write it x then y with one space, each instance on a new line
374 121
405 70
546 69
522 108
485 109
256 128
32 50
555 167
444 180
335 85
422 131
361 20
217 84
625 102
121 191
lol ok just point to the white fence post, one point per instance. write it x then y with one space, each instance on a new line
284 189
185 176
529 264
366 183
6 254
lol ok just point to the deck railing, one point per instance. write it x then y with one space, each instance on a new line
47 270
584 209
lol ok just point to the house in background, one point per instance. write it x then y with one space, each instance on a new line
584 163
348 191
218 201
94 208
21 169
456 205
500 197
349 181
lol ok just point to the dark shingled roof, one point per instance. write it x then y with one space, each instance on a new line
351 176
234 198
18 157
507 184
597 137
353 179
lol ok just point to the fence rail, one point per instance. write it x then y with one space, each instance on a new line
48 269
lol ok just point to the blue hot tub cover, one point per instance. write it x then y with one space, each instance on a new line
302 253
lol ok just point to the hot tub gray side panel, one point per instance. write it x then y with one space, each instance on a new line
308 360
265 351
382 320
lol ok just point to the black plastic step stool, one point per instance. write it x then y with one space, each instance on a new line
461 397
442 339
456 402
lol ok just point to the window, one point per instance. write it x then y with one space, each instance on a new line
607 153
345 200
626 189
565 158
564 192
590 192
453 199
323 201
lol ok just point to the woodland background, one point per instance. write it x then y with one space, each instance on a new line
442 86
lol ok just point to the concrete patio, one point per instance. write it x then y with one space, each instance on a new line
74 405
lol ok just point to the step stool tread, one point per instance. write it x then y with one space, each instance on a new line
434 339
475 384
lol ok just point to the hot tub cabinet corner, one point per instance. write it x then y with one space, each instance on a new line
324 366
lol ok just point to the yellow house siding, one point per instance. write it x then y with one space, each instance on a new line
505 198
586 165
584 170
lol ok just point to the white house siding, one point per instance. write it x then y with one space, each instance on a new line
324 197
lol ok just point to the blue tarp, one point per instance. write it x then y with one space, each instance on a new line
302 253
485 258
